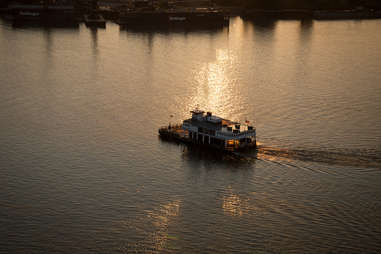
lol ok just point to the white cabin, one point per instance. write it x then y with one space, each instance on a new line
212 130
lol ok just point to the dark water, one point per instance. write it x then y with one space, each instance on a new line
83 171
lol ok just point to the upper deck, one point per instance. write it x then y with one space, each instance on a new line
217 126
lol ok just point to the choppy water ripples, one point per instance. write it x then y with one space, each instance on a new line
83 171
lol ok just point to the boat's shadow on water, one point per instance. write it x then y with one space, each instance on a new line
196 153
262 24
175 29
281 155
44 25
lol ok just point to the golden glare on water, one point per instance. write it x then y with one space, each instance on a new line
233 205
158 221
161 220
214 90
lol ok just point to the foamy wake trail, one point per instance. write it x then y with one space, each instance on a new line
285 156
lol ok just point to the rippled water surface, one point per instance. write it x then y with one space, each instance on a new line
82 169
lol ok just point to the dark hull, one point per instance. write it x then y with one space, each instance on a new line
170 135
337 15
95 22
176 18
309 14
50 16
277 14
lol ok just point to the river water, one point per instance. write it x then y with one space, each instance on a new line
82 169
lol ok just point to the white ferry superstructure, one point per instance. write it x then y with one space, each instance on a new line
209 130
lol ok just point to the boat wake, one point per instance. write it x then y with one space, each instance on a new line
368 161
349 158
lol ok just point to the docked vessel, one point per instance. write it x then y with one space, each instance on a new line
346 14
94 21
198 16
212 131
61 13
92 18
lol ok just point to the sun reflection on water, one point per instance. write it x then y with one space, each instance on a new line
214 84
150 232
161 221
234 205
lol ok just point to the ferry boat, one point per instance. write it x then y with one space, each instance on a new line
212 131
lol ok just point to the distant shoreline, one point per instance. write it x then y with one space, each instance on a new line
232 11
313 14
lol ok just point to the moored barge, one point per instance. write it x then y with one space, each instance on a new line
154 18
212 131
58 14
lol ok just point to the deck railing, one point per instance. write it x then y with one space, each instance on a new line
248 133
